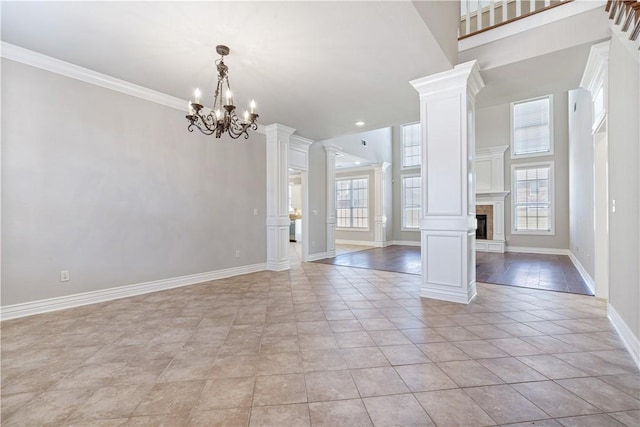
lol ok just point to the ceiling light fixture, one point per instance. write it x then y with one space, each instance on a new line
222 117
360 123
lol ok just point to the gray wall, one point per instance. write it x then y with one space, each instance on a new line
581 179
493 129
114 189
317 199
397 172
624 184
367 236
442 19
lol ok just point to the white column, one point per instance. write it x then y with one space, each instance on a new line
277 196
331 199
380 220
448 223
299 159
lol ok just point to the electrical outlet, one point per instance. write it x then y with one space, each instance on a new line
237 253
255 211
64 276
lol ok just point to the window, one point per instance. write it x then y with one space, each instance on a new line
352 203
532 127
532 198
411 186
411 145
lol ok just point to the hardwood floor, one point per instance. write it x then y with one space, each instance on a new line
400 259
537 271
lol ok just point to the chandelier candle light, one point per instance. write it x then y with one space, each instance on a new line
222 117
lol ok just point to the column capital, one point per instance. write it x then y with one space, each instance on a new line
381 166
331 147
301 142
466 75
277 129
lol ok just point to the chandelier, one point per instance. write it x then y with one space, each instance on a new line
222 117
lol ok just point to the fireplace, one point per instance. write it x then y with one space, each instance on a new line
490 199
481 231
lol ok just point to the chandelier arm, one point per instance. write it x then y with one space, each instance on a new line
208 120
197 126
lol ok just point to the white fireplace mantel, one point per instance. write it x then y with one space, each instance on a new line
489 165
491 195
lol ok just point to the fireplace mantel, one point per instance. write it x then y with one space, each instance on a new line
491 195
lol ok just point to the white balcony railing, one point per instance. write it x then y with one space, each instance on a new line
481 15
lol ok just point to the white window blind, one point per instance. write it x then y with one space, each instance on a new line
531 127
411 145
532 198
352 203
411 188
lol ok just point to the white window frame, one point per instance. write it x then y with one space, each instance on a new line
351 178
403 225
514 155
402 162
552 201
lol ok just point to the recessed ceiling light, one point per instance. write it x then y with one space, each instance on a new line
357 163
360 123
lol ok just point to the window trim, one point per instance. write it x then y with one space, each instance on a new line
403 226
551 129
402 166
552 201
351 178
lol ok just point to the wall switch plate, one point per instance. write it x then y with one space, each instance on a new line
64 276
255 211
314 212
237 253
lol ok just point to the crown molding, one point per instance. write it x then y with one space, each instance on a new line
594 71
67 69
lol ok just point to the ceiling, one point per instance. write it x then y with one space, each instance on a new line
346 161
551 73
315 66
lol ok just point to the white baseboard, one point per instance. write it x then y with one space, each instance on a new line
631 342
533 250
278 266
583 272
406 242
315 257
355 242
68 301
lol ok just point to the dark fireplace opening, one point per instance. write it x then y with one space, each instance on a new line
481 231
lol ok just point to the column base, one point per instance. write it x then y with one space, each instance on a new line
463 296
278 266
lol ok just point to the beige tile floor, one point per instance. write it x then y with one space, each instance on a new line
320 345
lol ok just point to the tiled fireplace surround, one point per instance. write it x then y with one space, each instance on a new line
488 211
